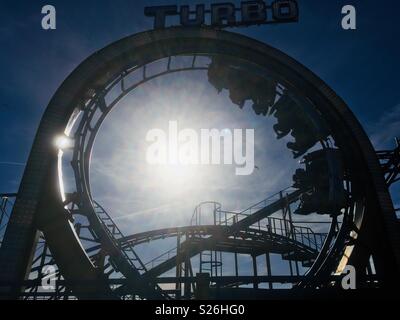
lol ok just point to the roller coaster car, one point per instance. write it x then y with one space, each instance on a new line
322 181
305 138
242 85
291 118
294 119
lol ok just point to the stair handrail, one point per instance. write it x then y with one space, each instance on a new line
112 235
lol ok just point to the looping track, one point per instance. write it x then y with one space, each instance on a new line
369 219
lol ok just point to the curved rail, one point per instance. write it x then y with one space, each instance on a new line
40 205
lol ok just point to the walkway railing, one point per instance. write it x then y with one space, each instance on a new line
284 226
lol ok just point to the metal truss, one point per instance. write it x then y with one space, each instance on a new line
6 203
91 256
390 163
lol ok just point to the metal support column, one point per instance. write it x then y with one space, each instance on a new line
178 285
268 264
255 283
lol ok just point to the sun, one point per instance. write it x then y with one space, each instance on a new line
175 179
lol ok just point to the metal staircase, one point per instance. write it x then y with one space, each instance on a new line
252 231
116 234
296 243
210 261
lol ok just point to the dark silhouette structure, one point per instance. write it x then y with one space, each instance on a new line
341 177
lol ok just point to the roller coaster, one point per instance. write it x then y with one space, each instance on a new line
341 178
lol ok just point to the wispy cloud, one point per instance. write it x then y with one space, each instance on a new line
145 211
12 163
386 128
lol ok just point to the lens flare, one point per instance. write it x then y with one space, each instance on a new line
63 142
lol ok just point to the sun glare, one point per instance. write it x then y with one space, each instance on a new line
63 142
176 179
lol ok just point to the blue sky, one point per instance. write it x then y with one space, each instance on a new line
361 66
